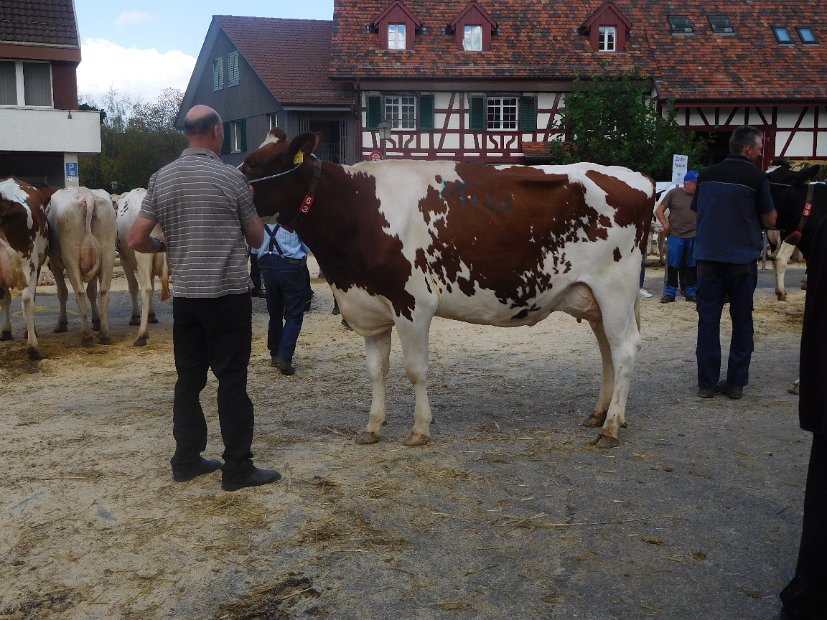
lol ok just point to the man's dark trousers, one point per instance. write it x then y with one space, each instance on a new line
212 333
716 281
285 283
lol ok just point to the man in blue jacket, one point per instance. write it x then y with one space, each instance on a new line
732 201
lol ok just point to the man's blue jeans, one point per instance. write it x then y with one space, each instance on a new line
716 282
679 251
285 284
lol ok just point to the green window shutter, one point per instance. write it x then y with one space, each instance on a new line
242 137
426 112
225 147
374 111
477 119
528 113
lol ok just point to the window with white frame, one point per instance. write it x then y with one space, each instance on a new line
273 120
501 113
472 39
233 77
25 83
401 111
218 73
396 36
607 38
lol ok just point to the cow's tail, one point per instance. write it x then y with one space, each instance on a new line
90 249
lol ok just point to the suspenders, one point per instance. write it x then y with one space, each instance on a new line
273 242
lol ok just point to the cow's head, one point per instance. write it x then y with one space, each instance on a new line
284 170
789 190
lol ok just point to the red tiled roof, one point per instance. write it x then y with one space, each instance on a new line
291 56
538 40
39 22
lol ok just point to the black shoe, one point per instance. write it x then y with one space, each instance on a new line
307 306
706 392
257 292
286 368
691 298
254 477
666 299
734 392
202 466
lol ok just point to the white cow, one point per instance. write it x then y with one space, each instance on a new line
82 234
24 240
144 266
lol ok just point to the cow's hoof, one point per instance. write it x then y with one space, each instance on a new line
105 339
416 439
595 419
5 335
134 320
87 341
61 328
781 296
140 341
153 318
367 438
606 441
34 354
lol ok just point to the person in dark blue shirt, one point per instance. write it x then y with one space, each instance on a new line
732 201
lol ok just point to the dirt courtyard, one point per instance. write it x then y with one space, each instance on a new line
507 513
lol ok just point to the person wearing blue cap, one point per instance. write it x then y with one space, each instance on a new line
680 242
732 201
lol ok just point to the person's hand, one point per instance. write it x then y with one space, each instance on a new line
666 229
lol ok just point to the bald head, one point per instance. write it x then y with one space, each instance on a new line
203 128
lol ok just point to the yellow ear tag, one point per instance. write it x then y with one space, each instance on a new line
299 158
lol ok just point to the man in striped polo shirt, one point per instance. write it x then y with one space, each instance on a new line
208 219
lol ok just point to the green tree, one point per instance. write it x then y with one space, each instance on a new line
137 138
609 119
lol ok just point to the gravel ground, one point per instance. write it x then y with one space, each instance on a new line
508 513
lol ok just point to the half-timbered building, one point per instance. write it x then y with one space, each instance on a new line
485 79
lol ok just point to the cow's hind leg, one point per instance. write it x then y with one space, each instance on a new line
5 306
132 282
378 350
623 336
62 297
598 416
414 339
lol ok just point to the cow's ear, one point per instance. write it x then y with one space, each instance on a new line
306 144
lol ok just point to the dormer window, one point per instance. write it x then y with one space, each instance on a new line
396 26
782 35
680 24
396 36
606 38
806 35
473 28
720 24
607 28
472 41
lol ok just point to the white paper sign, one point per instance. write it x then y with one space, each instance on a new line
680 164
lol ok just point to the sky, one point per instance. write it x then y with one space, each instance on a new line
141 48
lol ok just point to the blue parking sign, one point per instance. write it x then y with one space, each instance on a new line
72 169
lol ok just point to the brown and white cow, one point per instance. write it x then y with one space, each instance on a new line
144 266
82 235
24 239
403 241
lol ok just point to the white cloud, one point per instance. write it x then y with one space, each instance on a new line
134 18
136 73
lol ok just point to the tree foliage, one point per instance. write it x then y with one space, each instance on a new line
137 138
609 119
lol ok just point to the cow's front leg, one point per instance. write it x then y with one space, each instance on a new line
73 273
377 350
413 335
32 348
132 282
104 337
780 261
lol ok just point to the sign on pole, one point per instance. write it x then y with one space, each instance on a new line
375 156
680 164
